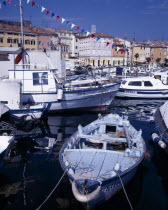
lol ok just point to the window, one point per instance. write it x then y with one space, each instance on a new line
135 83
1 39
32 42
27 41
123 82
39 42
9 40
40 78
148 84
15 41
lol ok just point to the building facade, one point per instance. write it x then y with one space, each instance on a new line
95 49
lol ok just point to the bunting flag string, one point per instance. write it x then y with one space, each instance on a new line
4 3
57 17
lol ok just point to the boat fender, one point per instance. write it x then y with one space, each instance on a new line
162 144
155 137
71 171
85 198
116 167
60 94
66 163
18 58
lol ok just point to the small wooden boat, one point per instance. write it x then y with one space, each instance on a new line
101 158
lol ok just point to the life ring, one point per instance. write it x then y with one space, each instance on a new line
18 58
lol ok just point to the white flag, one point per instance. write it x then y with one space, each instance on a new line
63 20
87 33
73 25
118 48
28 1
42 9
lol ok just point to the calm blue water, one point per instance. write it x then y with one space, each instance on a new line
29 179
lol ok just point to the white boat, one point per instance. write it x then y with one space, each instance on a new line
161 121
149 87
101 158
44 84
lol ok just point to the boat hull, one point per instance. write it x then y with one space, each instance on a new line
96 99
110 187
141 94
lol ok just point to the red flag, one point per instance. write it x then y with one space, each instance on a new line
33 3
77 28
107 43
58 17
93 35
47 12
9 1
122 50
18 58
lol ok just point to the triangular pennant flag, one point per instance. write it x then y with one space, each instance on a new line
63 20
47 12
93 35
87 33
33 3
77 28
113 45
107 43
58 17
4 3
67 22
82 31
118 48
9 1
42 9
52 14
122 50
97 38
73 25
28 1
37 5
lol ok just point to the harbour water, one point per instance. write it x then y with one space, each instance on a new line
27 181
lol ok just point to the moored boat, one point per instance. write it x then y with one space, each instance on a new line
153 87
101 158
161 121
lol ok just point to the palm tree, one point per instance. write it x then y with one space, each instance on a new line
148 59
136 56
158 60
166 61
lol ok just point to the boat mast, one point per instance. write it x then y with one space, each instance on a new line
21 22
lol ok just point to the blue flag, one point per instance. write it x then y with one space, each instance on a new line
52 14
97 38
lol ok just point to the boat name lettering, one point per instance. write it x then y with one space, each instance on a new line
110 187
130 91
81 93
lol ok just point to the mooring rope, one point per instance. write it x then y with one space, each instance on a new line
24 185
124 190
52 191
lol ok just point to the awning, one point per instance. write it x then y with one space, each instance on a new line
10 50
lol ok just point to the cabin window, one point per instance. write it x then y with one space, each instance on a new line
1 39
135 83
148 84
40 78
123 82
110 129
9 40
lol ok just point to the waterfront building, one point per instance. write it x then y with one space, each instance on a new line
10 35
95 49
140 52
159 53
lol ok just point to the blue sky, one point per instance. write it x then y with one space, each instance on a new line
147 19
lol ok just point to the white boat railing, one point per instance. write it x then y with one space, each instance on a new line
28 67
